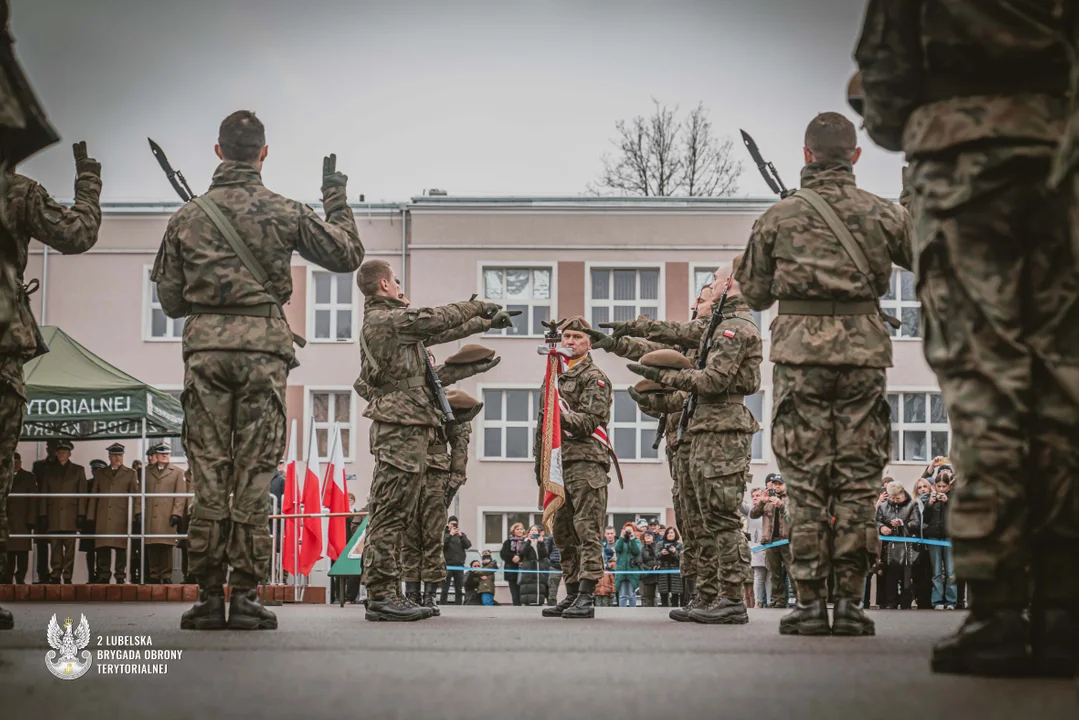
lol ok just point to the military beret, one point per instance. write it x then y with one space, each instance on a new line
460 400
650 386
855 94
666 359
115 449
64 445
98 464
575 323
469 354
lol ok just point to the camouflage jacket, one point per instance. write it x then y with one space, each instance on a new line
793 255
394 377
937 75
31 214
657 404
196 266
733 368
587 392
459 439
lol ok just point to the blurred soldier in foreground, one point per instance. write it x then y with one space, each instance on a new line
826 255
975 92
225 265
22 516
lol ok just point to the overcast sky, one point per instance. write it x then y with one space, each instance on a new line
479 97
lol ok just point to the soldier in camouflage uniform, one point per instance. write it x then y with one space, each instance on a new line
976 94
668 403
830 346
578 524
721 447
404 417
237 353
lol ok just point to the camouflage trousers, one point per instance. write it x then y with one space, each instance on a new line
718 467
578 524
12 406
687 515
421 551
400 453
234 436
831 436
999 288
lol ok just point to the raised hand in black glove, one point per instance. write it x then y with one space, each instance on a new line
330 177
621 329
504 319
174 521
646 371
484 365
489 309
463 416
600 339
83 163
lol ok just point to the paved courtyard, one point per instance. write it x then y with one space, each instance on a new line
511 664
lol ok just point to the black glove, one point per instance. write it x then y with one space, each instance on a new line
138 521
600 339
450 492
330 177
174 521
463 416
645 371
485 365
488 310
80 523
503 319
637 397
621 329
42 524
84 163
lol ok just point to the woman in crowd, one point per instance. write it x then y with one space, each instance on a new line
922 572
511 559
480 585
897 517
532 581
669 584
649 561
760 568
605 587
627 553
945 595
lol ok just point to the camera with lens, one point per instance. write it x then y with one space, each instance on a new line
771 492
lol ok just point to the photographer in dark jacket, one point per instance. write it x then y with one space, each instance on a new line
533 584
945 592
898 516
649 561
454 545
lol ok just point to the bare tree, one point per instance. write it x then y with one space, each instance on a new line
663 155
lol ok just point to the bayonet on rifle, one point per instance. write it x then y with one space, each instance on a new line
176 178
768 170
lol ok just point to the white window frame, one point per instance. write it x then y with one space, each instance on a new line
766 425
899 304
481 440
333 307
308 419
661 301
148 314
766 314
645 513
643 422
927 427
178 455
480 541
552 303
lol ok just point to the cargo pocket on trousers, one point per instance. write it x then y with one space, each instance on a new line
198 536
974 512
261 548
805 543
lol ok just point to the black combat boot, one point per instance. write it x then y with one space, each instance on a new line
721 611
414 598
681 614
208 612
571 596
7 620
1054 642
991 643
848 618
809 618
584 605
247 613
429 602
394 609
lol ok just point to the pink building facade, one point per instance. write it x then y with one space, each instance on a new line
551 257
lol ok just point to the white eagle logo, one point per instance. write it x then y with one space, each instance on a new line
68 644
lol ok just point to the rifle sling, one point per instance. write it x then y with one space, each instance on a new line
839 229
232 237
408 383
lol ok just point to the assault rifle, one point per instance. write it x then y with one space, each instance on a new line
435 386
661 428
768 170
690 405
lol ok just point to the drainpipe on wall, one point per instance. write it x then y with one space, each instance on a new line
44 283
404 246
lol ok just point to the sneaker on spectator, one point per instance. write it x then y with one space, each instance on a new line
938 607
949 607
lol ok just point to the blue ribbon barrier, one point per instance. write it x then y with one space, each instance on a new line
920 541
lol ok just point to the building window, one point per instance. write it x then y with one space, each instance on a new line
902 302
920 430
524 289
333 307
159 326
328 407
703 275
631 431
621 294
755 403
509 423
174 441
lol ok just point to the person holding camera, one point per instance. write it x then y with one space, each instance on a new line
480 581
511 559
670 555
898 517
649 561
532 582
627 553
772 509
454 545
945 595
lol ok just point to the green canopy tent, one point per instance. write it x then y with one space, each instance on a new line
72 393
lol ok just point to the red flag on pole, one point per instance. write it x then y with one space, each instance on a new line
311 544
552 489
290 505
335 498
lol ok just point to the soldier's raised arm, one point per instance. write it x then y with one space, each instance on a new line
69 230
631 348
168 273
469 361
729 347
333 243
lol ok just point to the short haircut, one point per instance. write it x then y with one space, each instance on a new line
371 274
831 138
895 487
241 136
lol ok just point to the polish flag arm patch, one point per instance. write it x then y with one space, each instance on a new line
728 334
601 383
